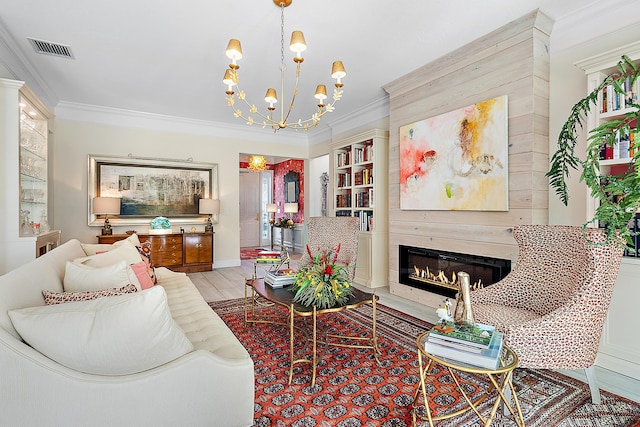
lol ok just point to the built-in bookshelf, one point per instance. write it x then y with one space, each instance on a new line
613 106
617 353
359 182
354 182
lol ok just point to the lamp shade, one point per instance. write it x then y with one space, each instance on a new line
229 78
106 205
290 207
271 97
234 51
209 206
321 92
272 208
337 70
298 44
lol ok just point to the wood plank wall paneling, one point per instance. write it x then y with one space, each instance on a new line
512 61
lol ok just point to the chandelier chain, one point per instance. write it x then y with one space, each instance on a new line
282 66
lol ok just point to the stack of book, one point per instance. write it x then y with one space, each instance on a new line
280 278
268 257
478 345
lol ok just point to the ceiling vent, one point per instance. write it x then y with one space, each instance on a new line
50 48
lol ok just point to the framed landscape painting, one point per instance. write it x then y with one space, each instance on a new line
149 188
457 160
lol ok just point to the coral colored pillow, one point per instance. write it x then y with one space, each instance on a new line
140 270
145 254
51 298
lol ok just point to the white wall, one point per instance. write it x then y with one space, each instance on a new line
313 185
74 141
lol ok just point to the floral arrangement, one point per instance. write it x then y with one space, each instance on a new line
322 282
283 222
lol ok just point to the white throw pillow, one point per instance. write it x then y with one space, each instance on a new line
126 251
117 335
80 277
94 248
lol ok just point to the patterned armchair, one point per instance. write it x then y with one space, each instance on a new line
326 232
552 306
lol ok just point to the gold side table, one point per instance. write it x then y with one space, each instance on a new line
499 379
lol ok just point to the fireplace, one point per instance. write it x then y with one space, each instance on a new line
436 271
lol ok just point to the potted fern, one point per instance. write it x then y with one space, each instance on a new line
618 195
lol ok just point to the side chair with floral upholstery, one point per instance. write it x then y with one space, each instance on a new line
552 306
327 232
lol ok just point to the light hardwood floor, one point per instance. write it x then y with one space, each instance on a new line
228 283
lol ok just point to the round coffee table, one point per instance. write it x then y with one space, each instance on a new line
499 379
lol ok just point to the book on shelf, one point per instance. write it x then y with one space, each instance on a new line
477 335
488 358
611 100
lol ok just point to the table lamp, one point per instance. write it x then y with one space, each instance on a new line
272 208
290 208
106 206
209 207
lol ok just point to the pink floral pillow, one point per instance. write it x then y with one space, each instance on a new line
145 253
140 270
51 298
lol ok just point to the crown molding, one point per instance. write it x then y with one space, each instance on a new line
375 110
87 113
135 119
17 64
590 22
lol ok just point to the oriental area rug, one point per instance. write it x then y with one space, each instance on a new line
352 390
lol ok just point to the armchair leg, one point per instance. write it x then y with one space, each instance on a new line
593 385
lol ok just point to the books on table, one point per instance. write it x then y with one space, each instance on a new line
268 257
468 352
477 335
280 278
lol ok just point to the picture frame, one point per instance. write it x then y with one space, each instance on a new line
457 160
150 188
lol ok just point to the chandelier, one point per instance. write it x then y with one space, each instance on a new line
297 45
257 163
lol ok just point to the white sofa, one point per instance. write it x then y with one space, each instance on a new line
213 385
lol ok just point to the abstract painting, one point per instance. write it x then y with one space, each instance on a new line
457 160
150 188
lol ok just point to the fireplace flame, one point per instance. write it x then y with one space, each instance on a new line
440 278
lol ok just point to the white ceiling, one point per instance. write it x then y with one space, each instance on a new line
168 58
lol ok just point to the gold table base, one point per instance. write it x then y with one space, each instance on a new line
284 298
499 379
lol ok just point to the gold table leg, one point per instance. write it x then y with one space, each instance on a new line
498 381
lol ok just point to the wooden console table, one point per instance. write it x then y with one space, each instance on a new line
185 252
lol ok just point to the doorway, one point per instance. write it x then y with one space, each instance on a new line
255 193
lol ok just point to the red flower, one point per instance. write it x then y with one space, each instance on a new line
328 270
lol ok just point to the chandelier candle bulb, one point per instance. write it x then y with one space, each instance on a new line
271 98
298 45
338 72
234 52
229 80
321 94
